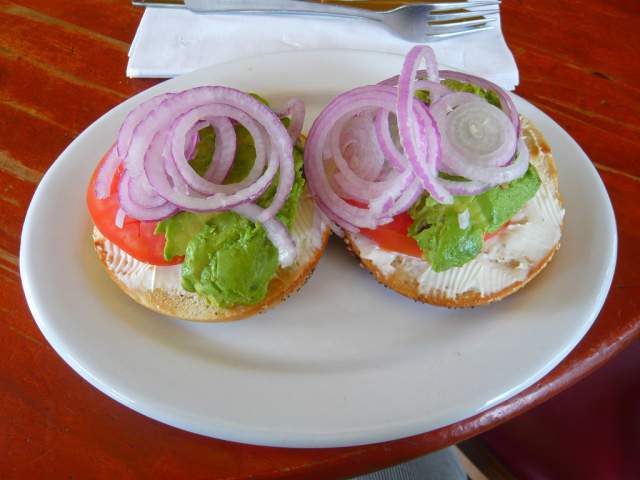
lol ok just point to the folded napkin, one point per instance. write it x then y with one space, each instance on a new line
171 42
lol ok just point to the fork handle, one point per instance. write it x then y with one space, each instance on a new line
300 7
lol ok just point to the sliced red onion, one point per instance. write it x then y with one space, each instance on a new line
321 151
193 138
436 90
359 186
364 157
120 218
276 231
413 59
508 107
159 137
389 82
515 169
132 120
139 163
474 129
143 193
337 223
477 139
482 133
448 103
505 99
466 188
225 150
478 142
408 198
247 189
105 175
295 111
171 186
419 133
489 177
386 143
140 212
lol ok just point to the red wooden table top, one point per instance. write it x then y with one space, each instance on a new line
62 66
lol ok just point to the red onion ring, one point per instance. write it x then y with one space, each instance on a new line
465 119
137 211
472 187
397 173
435 89
416 137
250 187
295 110
193 138
105 175
178 104
224 152
159 137
135 116
364 156
386 143
319 141
143 194
506 103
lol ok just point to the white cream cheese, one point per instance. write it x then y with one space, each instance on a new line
505 258
306 232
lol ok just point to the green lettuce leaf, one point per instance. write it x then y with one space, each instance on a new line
502 202
458 86
437 230
436 227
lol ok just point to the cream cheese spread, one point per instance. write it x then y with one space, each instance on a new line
505 258
307 232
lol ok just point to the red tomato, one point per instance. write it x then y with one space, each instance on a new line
394 236
487 236
135 237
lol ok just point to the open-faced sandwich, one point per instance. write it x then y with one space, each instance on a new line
437 184
201 209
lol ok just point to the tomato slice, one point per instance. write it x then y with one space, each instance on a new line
395 237
487 236
135 237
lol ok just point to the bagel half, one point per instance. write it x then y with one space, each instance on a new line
159 288
494 274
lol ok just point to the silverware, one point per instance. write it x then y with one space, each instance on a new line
416 22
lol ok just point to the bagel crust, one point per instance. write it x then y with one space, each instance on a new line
402 279
174 301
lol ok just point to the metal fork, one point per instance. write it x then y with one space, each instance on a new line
414 22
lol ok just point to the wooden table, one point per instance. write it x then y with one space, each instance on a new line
62 66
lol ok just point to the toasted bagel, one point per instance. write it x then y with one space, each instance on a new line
141 280
469 285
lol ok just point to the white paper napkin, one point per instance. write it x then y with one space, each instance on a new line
171 42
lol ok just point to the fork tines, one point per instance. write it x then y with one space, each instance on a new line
457 17
471 4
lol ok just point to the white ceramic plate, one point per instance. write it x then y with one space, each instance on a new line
343 362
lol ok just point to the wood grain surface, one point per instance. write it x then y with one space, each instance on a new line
62 66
